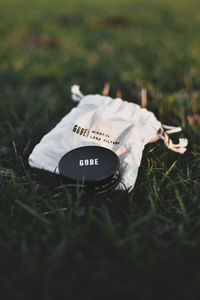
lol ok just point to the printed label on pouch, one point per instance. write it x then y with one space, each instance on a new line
94 135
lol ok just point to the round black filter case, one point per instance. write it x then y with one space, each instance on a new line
95 167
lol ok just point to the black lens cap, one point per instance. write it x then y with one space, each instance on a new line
94 166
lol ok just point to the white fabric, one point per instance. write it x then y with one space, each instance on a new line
118 125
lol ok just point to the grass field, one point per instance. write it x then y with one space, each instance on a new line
56 241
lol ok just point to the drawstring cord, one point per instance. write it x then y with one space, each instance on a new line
77 96
165 130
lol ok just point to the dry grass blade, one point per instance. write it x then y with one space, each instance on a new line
106 89
119 94
194 119
143 98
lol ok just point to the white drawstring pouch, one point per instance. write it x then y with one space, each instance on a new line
97 120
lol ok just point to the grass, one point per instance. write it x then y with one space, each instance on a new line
56 241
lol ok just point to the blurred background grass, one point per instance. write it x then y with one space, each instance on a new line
56 241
